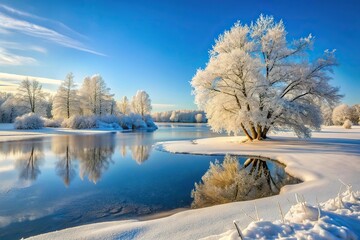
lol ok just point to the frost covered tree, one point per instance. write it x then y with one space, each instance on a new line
188 116
95 96
356 111
9 109
326 112
199 118
347 124
341 113
174 116
66 101
124 106
31 97
141 103
256 81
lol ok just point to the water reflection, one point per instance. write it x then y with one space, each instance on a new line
65 165
93 153
140 153
28 161
87 156
139 144
229 181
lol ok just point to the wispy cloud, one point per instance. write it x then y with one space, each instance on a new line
8 58
13 21
23 47
17 77
10 82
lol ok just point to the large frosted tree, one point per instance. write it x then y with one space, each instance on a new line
256 81
141 103
124 106
31 97
66 101
95 96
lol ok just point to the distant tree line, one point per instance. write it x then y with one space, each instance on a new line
185 116
92 98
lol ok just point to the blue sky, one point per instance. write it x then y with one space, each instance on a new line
158 45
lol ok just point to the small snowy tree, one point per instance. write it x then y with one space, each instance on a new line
347 124
199 118
341 113
124 106
141 103
255 81
31 97
29 121
174 116
66 102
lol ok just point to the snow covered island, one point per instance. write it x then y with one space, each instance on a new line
328 164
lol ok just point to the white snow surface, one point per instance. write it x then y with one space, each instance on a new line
332 154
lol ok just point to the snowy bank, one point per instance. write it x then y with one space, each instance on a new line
320 162
337 218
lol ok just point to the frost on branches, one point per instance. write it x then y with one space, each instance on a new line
141 103
66 101
255 81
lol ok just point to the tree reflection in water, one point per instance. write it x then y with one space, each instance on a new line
95 155
93 152
140 153
65 165
138 143
229 182
29 160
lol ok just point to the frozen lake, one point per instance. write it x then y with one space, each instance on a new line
52 183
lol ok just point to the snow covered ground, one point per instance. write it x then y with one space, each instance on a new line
320 162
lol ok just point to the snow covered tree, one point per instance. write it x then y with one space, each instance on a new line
9 108
341 113
124 106
66 101
326 112
174 116
255 81
31 97
95 96
356 110
347 124
188 116
199 118
141 103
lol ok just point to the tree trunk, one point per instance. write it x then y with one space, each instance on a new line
253 131
259 136
264 132
246 132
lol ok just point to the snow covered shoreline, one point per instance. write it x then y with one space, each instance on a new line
8 133
320 162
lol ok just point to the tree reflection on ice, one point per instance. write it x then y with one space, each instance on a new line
29 161
229 181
